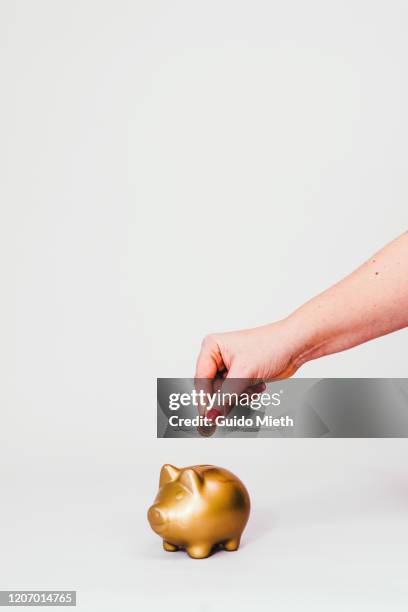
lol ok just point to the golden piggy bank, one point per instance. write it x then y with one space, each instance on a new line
198 508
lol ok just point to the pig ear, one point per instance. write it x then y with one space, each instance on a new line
191 480
168 473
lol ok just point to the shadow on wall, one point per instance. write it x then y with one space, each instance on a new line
353 496
354 408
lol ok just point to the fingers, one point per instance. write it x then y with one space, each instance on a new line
237 379
212 375
232 392
254 389
236 382
209 362
258 387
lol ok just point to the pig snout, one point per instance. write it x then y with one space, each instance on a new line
156 518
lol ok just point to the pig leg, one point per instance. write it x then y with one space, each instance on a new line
199 551
232 544
169 547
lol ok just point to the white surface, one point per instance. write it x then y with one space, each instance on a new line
172 169
328 530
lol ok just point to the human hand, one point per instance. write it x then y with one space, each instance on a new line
367 304
248 358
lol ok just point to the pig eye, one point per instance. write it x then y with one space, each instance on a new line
179 496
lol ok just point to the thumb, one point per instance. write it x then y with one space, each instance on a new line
206 371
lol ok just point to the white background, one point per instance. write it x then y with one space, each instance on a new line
170 169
